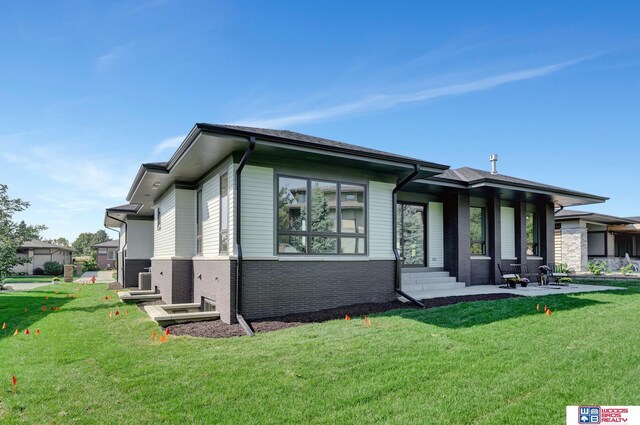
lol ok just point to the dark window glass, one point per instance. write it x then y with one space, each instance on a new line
532 233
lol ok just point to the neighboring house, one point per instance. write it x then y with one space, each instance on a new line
106 254
265 222
135 244
41 252
582 236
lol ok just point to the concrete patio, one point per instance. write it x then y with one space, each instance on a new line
530 291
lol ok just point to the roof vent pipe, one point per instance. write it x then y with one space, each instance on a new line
494 159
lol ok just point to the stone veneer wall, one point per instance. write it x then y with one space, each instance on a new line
574 248
275 288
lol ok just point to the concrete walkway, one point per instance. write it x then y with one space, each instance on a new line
105 276
25 286
530 291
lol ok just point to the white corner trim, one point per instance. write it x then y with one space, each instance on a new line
510 258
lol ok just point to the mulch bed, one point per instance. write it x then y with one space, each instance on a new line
219 329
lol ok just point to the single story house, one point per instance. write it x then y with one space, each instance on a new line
261 222
135 242
41 252
582 236
106 254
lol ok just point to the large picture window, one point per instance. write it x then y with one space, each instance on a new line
478 231
532 234
320 217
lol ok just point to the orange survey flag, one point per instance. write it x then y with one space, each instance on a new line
347 317
4 325
46 297
545 307
106 298
117 313
538 307
367 322
57 308
38 331
167 332
153 335
52 309
126 312
548 312
44 308
110 315
163 338
27 332
14 382
15 333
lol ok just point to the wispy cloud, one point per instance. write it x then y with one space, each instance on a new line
386 101
168 144
111 57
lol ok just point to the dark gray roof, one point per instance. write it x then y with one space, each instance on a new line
292 137
107 244
604 218
469 176
36 244
133 208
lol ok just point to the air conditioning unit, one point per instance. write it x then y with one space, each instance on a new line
144 281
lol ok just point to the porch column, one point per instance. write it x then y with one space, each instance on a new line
494 238
546 233
457 240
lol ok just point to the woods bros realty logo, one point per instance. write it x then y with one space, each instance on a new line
603 415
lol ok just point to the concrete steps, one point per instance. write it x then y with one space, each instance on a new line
419 283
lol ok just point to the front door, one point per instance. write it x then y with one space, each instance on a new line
411 234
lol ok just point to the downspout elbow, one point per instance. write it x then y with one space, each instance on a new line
238 241
398 262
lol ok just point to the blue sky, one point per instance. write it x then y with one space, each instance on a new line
89 90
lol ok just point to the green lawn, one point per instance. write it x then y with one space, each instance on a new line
485 363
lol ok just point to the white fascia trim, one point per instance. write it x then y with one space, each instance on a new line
170 257
510 258
480 257
534 257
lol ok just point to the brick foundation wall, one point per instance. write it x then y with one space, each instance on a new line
215 279
132 268
274 288
174 280
480 272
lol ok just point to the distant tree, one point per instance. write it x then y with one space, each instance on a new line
60 242
82 244
12 234
322 220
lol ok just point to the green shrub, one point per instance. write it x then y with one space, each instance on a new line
597 267
90 265
627 270
38 271
565 280
52 268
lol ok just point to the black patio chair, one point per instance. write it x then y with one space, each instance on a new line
506 276
522 270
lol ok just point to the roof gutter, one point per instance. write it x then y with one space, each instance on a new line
394 202
126 235
238 214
